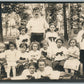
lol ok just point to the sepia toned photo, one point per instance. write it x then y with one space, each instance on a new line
41 41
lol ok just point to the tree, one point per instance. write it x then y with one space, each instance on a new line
65 22
1 32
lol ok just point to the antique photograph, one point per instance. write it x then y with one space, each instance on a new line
41 41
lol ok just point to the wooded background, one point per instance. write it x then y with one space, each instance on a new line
68 17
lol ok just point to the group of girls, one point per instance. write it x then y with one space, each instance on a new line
51 51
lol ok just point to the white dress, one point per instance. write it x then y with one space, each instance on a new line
72 63
12 57
34 55
48 71
22 38
61 53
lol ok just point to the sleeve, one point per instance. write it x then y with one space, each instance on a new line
46 25
65 51
77 53
29 25
78 38
2 55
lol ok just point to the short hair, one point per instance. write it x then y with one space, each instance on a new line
32 64
23 28
71 40
41 60
12 44
22 45
35 42
52 24
60 40
36 8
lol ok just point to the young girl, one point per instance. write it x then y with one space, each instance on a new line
34 54
23 38
51 37
60 54
46 72
45 54
12 55
27 74
73 61
23 60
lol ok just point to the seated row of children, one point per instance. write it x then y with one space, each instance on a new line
68 58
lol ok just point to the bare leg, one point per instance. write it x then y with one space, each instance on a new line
66 70
81 69
8 71
72 72
14 71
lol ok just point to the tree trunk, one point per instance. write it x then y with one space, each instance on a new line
65 22
1 33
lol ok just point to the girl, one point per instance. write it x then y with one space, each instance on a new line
45 54
29 73
60 54
73 61
12 55
23 60
51 37
46 72
34 53
23 38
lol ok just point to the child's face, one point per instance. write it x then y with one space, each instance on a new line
59 43
32 69
35 47
52 28
41 66
45 46
12 47
72 43
36 13
23 49
23 31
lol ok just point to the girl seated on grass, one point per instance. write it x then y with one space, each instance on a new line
34 53
23 37
73 57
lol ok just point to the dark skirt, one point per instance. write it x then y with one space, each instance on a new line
82 56
37 37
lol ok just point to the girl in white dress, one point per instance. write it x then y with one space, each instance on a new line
45 53
35 53
73 61
23 37
45 71
51 37
23 60
12 55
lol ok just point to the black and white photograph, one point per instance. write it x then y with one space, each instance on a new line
41 41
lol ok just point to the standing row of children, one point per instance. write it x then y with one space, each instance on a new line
35 44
